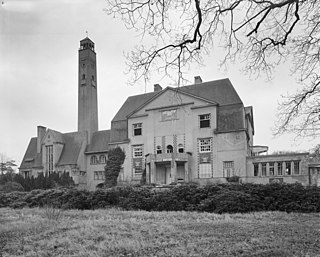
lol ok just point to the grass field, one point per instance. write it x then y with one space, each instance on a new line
50 232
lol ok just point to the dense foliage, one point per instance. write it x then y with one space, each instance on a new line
230 198
115 160
16 182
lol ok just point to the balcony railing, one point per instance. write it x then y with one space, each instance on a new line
168 157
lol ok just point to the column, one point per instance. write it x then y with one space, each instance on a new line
186 172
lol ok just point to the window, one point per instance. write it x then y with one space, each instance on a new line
137 129
169 149
271 168
49 157
280 169
180 148
159 149
288 168
93 160
296 167
205 170
137 151
205 145
263 169
169 115
256 169
83 76
204 120
228 169
102 159
99 175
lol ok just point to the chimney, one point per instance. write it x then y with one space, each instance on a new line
197 80
157 87
41 134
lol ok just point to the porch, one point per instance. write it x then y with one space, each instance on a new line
168 168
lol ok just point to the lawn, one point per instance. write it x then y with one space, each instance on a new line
48 232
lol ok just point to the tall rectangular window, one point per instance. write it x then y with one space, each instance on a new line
137 129
280 173
256 169
205 170
228 169
204 120
288 168
271 168
49 158
263 169
296 167
205 145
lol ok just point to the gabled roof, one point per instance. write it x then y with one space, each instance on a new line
218 91
73 142
72 146
99 142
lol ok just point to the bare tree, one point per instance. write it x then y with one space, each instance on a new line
262 33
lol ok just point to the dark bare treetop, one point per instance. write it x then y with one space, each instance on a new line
261 33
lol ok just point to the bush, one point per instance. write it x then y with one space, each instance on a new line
220 198
12 186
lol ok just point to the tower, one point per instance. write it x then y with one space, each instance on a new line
87 88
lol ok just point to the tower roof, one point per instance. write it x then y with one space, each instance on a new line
86 43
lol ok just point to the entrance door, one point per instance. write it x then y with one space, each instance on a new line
161 175
180 173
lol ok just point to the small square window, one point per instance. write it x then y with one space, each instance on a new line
204 120
137 129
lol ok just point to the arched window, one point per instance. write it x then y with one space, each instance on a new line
83 76
169 148
93 160
180 148
159 149
102 159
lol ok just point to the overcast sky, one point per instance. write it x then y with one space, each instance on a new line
39 41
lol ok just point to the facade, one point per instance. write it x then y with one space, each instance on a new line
199 133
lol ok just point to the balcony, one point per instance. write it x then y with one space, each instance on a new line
168 157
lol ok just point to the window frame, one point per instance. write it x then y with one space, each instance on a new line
137 149
205 173
228 169
205 120
93 160
203 146
137 129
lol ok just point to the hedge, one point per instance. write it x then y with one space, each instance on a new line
221 198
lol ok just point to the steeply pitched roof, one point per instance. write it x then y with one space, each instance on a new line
131 104
73 142
99 142
218 91
72 145
31 159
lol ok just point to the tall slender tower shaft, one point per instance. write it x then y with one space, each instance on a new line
87 88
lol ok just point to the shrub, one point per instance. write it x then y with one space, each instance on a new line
12 186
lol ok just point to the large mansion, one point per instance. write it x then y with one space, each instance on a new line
201 133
